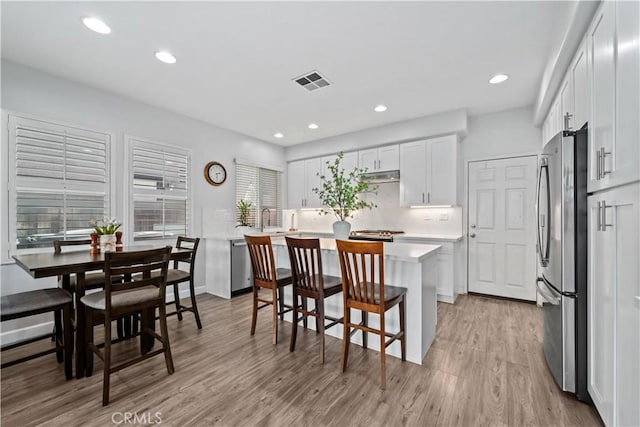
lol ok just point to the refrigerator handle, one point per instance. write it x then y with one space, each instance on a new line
543 219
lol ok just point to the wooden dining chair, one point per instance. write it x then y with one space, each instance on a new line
31 303
310 283
361 291
176 276
142 290
92 280
267 276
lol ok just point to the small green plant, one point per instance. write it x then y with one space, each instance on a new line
341 190
105 225
243 213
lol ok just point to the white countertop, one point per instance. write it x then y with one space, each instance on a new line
396 251
327 234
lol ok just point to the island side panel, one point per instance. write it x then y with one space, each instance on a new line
430 280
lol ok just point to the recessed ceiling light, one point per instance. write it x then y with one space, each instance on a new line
96 25
278 135
498 78
313 126
165 57
380 108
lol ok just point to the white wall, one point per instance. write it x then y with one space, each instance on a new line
31 92
503 134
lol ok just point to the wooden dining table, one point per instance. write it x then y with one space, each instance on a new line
79 262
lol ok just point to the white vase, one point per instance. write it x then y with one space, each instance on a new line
341 230
107 242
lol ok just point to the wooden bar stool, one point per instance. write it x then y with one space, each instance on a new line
140 292
358 267
177 276
30 303
309 282
266 276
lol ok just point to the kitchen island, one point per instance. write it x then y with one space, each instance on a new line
410 265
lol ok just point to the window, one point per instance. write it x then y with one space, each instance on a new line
261 187
60 181
159 188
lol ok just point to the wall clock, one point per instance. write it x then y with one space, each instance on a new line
215 173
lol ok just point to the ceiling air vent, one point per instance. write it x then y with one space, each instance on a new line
312 81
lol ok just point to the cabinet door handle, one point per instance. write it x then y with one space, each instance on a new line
603 159
567 119
428 197
598 165
604 216
599 216
422 197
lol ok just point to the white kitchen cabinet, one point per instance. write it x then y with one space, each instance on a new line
380 159
429 172
349 162
579 74
600 40
303 177
614 304
566 104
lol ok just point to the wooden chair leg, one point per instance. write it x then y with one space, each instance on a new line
254 316
365 322
304 318
280 293
403 344
107 360
383 354
120 328
88 340
346 338
68 341
274 303
320 326
164 332
294 322
176 299
57 320
194 306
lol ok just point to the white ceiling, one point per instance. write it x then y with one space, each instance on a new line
236 59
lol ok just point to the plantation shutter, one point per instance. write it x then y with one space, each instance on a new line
61 180
160 188
261 187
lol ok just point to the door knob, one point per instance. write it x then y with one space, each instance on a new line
472 235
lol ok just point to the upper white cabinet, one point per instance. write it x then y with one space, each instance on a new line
579 74
614 65
614 304
380 159
567 110
429 172
349 162
303 177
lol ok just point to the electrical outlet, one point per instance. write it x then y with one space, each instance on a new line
444 217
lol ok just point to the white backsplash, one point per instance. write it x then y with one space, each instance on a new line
386 216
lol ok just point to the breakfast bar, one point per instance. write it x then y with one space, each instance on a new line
409 265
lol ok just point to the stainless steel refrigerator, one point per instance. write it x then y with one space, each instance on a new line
562 249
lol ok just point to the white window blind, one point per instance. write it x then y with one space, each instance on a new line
60 180
160 189
261 187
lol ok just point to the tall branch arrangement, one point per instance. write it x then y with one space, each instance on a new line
340 191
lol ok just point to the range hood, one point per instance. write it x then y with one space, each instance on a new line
382 177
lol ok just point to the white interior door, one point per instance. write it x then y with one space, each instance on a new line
501 227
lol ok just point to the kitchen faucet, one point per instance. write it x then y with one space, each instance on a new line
262 219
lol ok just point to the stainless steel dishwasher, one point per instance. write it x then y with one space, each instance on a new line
241 274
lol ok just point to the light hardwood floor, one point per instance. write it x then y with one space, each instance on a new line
486 367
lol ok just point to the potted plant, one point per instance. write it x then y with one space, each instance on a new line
340 194
243 207
106 230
